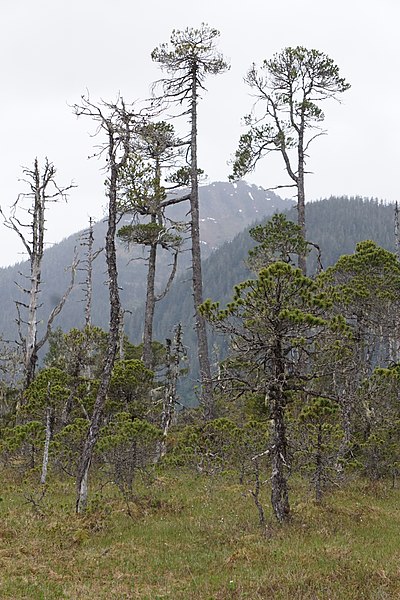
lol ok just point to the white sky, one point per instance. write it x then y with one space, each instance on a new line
53 50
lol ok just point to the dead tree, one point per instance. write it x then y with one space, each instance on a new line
43 189
116 122
87 240
175 353
49 435
79 364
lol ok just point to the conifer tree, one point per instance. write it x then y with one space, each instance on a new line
189 58
275 323
144 196
365 286
289 88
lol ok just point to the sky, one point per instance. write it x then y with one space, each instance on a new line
53 51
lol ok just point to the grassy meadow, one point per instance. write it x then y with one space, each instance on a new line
188 537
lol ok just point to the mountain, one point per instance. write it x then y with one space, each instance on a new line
225 210
334 224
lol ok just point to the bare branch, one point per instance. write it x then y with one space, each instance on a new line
170 279
60 305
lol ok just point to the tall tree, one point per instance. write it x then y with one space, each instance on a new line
397 230
143 195
116 122
43 189
189 58
289 88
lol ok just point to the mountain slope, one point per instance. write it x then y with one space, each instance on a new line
335 224
225 209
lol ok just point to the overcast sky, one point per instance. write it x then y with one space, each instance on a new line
52 51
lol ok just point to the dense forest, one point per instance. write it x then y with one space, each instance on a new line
211 367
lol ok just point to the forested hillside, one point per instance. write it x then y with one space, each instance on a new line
334 224
226 209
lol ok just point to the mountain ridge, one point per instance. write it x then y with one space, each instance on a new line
225 210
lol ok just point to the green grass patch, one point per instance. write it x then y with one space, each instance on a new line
194 537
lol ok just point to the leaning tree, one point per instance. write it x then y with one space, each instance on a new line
287 115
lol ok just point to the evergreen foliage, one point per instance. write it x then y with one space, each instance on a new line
305 381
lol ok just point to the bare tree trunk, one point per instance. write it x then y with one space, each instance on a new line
301 198
113 335
88 240
49 434
319 467
121 335
36 256
200 323
31 335
256 493
173 358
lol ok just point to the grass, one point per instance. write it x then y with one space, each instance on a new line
191 537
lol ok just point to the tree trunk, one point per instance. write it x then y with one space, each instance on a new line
36 256
301 197
200 323
89 275
49 433
31 335
256 494
149 309
173 353
113 337
279 491
319 467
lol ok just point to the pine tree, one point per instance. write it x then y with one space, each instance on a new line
192 56
289 87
